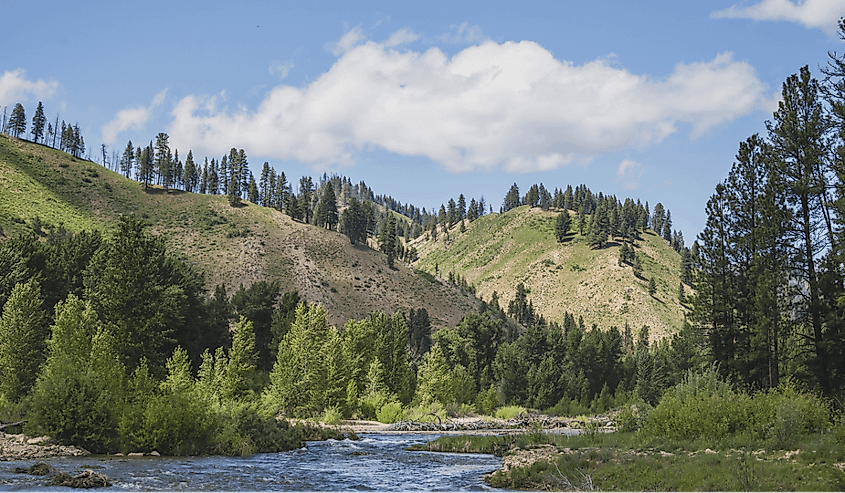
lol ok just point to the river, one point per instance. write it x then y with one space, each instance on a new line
375 462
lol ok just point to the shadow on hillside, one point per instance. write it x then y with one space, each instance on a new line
157 190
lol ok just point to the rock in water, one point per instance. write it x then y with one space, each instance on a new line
85 479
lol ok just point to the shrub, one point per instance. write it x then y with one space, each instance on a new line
432 412
704 406
246 431
487 402
390 412
178 423
331 416
633 417
508 412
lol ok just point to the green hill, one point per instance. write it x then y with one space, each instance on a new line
499 251
233 245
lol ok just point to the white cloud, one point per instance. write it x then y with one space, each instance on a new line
510 105
281 69
463 33
400 37
134 118
812 14
15 88
348 41
628 174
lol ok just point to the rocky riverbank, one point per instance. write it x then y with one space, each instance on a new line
522 422
22 447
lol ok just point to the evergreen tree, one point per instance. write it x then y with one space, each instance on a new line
306 189
162 159
299 378
213 178
511 199
562 225
797 137
387 238
252 190
353 223
23 332
127 161
264 185
190 175
17 122
38 122
242 359
667 227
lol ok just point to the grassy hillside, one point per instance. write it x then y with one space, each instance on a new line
498 251
239 245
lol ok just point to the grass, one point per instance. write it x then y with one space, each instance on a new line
624 461
498 251
232 245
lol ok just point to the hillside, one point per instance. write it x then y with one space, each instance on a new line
239 245
498 251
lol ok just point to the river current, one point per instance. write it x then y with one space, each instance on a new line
375 462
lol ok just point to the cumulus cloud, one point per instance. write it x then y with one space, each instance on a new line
348 41
628 174
134 118
812 14
509 105
15 88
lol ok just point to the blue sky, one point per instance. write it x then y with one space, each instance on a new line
430 100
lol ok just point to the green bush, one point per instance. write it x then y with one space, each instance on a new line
433 412
633 417
486 402
331 416
508 412
178 423
75 409
839 431
391 412
246 430
704 406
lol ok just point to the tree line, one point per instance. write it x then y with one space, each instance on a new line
768 267
65 137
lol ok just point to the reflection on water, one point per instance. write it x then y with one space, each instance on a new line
377 462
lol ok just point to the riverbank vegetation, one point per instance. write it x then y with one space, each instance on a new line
702 436
139 358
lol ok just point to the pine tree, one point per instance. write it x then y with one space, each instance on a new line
328 208
17 122
667 227
306 189
562 225
264 185
204 178
162 159
387 238
797 136
252 190
511 199
190 176
242 359
127 161
299 377
213 178
38 122
23 332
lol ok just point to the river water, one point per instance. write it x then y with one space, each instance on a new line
375 462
